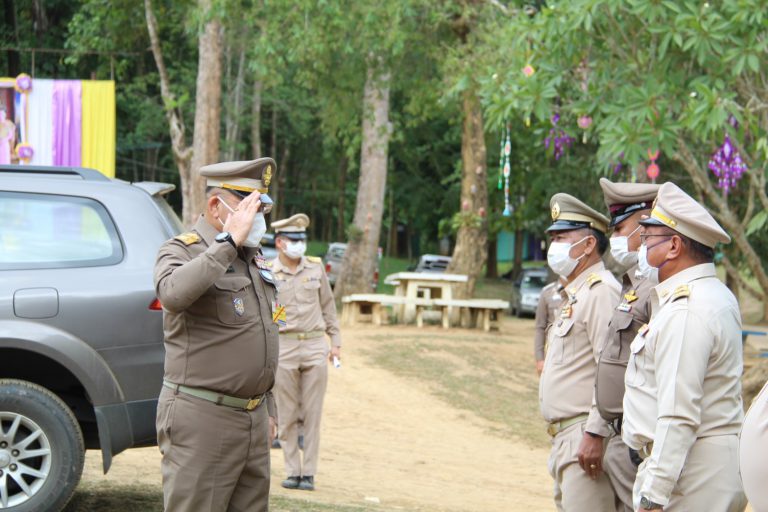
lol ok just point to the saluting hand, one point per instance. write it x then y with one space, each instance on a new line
239 222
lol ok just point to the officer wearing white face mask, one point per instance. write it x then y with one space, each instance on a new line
215 408
566 386
627 203
308 314
682 404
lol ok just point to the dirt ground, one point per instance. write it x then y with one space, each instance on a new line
388 443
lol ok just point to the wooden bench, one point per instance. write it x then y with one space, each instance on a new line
473 312
371 307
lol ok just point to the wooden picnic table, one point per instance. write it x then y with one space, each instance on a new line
432 285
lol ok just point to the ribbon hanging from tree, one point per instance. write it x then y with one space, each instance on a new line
505 168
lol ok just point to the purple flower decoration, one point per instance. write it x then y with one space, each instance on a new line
617 167
23 83
25 151
727 165
557 138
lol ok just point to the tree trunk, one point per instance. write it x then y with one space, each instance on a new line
470 253
182 153
492 267
207 112
517 265
234 108
256 120
14 66
362 247
341 222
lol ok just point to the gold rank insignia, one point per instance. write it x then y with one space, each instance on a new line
631 296
593 279
681 291
188 238
314 259
267 178
555 211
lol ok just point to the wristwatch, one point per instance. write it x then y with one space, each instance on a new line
224 236
648 504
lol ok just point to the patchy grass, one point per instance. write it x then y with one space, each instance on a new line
487 375
107 497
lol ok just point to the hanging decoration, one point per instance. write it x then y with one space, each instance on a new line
505 168
584 123
557 138
727 165
653 168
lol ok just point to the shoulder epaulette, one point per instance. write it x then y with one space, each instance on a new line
188 238
314 259
681 291
593 279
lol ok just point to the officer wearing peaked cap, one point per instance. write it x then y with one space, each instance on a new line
215 413
627 203
309 316
578 242
753 447
682 404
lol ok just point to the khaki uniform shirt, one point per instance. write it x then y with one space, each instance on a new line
632 312
547 311
683 377
753 452
567 382
308 299
217 315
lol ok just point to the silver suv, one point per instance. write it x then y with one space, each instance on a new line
81 337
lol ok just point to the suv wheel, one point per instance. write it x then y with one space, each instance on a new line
41 448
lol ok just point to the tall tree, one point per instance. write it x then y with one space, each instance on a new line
362 250
205 145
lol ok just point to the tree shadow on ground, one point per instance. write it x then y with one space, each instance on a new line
116 499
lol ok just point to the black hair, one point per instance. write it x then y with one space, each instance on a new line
698 251
600 238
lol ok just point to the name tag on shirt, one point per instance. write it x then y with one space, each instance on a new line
278 314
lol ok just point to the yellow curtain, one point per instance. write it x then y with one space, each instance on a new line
99 128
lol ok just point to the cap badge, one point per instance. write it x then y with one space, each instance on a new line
555 211
267 176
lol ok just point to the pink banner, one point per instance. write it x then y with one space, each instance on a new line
67 122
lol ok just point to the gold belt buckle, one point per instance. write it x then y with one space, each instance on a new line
253 403
553 429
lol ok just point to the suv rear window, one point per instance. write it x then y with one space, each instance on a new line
50 231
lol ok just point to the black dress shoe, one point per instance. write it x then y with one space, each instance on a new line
307 483
292 482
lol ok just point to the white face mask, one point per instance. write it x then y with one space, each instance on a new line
295 250
559 258
620 251
644 268
258 228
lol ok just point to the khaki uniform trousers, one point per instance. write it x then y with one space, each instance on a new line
621 472
574 490
709 481
215 458
302 378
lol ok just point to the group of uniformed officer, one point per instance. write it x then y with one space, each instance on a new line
225 308
641 383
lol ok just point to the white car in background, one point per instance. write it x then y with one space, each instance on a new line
334 258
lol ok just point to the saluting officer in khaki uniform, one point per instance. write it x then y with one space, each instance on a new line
302 376
753 452
216 415
682 404
566 385
547 311
627 203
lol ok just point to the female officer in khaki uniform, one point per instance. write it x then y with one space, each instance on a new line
309 314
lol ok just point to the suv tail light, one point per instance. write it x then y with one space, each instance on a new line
327 268
155 305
